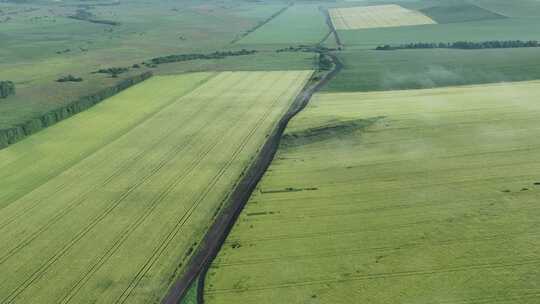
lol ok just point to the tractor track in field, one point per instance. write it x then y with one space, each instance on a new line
216 235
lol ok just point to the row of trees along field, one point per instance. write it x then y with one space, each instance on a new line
188 57
6 88
465 45
16 133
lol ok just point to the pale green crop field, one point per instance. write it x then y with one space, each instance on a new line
299 24
421 196
29 164
106 206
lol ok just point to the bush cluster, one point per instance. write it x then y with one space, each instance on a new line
188 57
69 78
7 88
114 72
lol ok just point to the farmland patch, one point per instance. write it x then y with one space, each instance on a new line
429 68
299 24
459 13
376 16
117 224
435 202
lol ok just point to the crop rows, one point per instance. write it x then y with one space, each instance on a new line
434 202
376 16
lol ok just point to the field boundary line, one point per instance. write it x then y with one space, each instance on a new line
19 131
330 23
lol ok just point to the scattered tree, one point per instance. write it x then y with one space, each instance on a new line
69 78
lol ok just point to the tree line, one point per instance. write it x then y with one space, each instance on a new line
188 57
306 48
17 132
464 45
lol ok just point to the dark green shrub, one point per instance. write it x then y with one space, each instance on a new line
7 88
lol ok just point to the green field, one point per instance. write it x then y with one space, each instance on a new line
421 196
452 13
410 177
416 69
498 29
299 24
105 207
459 20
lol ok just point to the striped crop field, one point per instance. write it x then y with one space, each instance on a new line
106 207
363 17
420 196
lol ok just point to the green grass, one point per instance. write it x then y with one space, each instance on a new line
422 196
414 69
108 205
299 24
191 295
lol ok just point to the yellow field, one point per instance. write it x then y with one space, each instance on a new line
363 17
116 221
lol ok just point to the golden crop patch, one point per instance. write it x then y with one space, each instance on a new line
376 16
